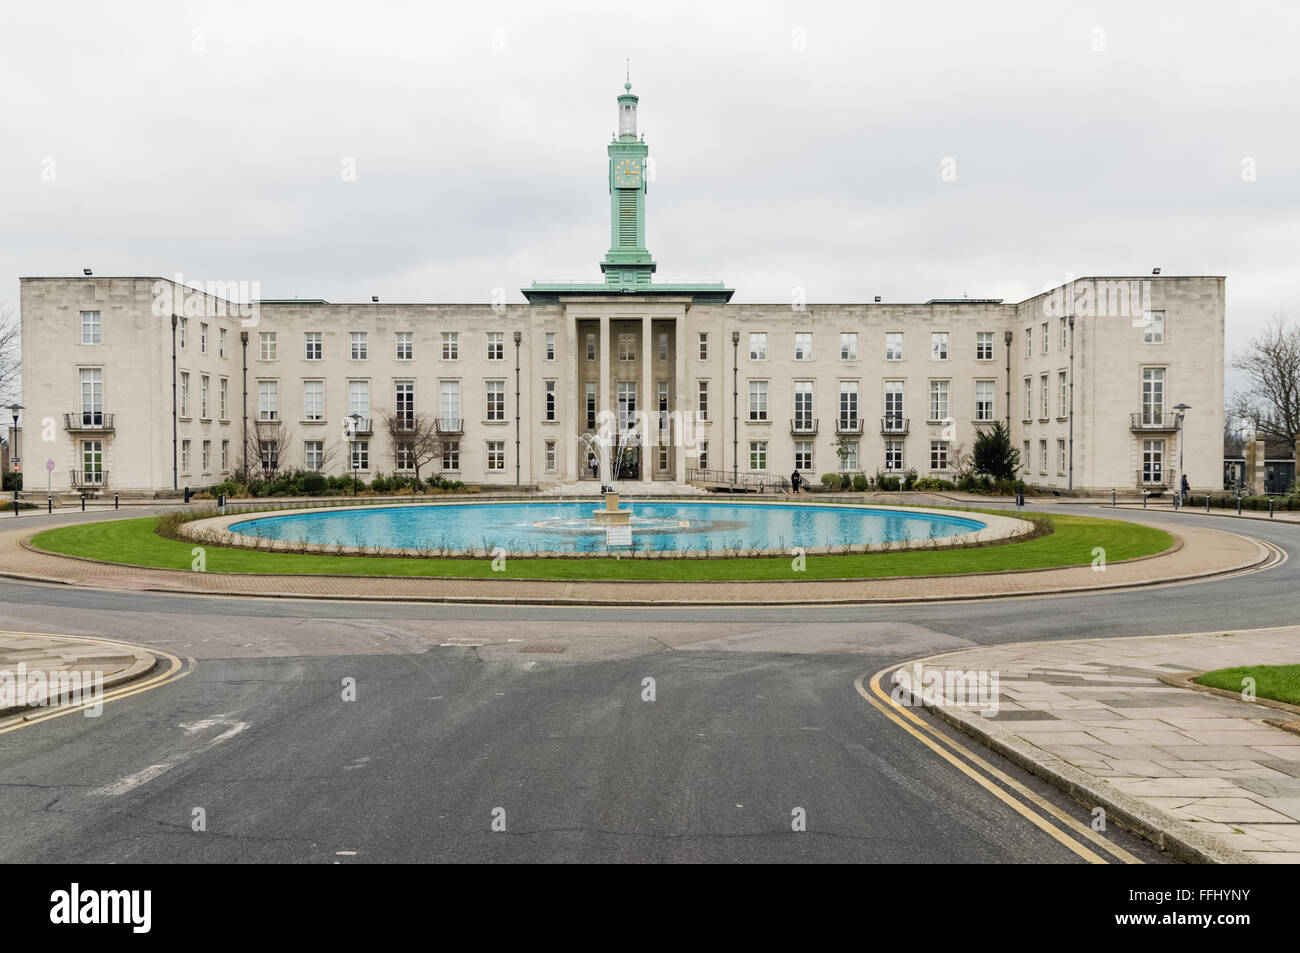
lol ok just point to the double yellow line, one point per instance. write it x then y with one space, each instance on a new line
984 774
174 668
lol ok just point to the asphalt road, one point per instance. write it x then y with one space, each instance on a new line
468 716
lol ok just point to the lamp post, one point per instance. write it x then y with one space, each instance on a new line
175 480
1070 485
1182 412
15 460
518 337
1006 338
352 451
243 344
735 406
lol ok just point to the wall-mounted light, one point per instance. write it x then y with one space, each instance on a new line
1155 271
374 299
86 272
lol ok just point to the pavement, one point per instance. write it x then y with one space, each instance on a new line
43 658
1204 775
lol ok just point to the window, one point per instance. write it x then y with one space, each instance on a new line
938 400
313 454
984 346
405 346
359 398
848 346
939 346
1024 457
758 346
1063 395
359 451
550 345
182 331
663 457
449 405
550 400
758 454
938 454
404 399
1046 410
312 344
1045 338
185 394
1029 399
203 397
626 405
1153 396
223 391
360 347
848 451
1062 458
496 456
894 406
221 342
848 405
661 392
225 455
266 345
451 345
704 454
451 455
92 397
268 400
1153 461
758 400
90 328
894 455
203 348
591 347
205 458
803 346
1029 342
984 400
591 405
663 345
268 452
626 346
185 456
704 346
496 345
550 456
803 406
404 456
496 400
894 346
702 407
1042 456
1065 334
803 455
1153 327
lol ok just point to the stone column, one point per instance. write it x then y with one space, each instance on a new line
572 464
647 402
683 402
1253 478
602 398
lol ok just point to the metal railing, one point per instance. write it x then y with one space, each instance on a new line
88 420
803 425
1154 420
82 477
450 425
848 425
892 424
742 479
1153 478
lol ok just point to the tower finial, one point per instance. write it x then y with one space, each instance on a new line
628 82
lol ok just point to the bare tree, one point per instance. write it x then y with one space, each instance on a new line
418 434
10 363
271 441
1271 365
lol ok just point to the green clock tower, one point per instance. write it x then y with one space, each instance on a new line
627 265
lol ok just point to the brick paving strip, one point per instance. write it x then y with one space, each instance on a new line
1198 553
51 655
1203 775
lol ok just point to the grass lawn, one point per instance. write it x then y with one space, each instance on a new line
1281 683
133 541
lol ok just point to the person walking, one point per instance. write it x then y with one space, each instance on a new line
1186 489
595 466
795 481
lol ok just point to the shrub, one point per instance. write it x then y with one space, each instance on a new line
860 482
909 479
12 481
994 454
312 483
438 482
832 481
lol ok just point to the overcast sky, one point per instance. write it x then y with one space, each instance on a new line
795 145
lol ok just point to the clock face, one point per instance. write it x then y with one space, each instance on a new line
627 173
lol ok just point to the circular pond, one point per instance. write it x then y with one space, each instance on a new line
569 527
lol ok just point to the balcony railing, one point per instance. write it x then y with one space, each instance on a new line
848 425
1148 421
894 425
402 425
803 425
364 426
1153 478
84 478
450 425
88 420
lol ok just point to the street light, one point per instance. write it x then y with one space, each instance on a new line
356 462
15 460
518 337
1006 338
1182 412
1070 485
735 406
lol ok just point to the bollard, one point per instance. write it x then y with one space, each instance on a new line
114 501
1238 504
1144 499
15 504
83 502
1270 507
1207 502
49 504
1112 497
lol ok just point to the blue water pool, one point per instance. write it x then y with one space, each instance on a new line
567 526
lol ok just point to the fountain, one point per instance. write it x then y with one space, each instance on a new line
611 515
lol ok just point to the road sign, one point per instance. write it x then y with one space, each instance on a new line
49 465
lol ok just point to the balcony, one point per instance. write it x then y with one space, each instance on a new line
82 479
894 425
365 427
1155 479
806 425
88 422
450 425
402 425
1154 422
850 425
